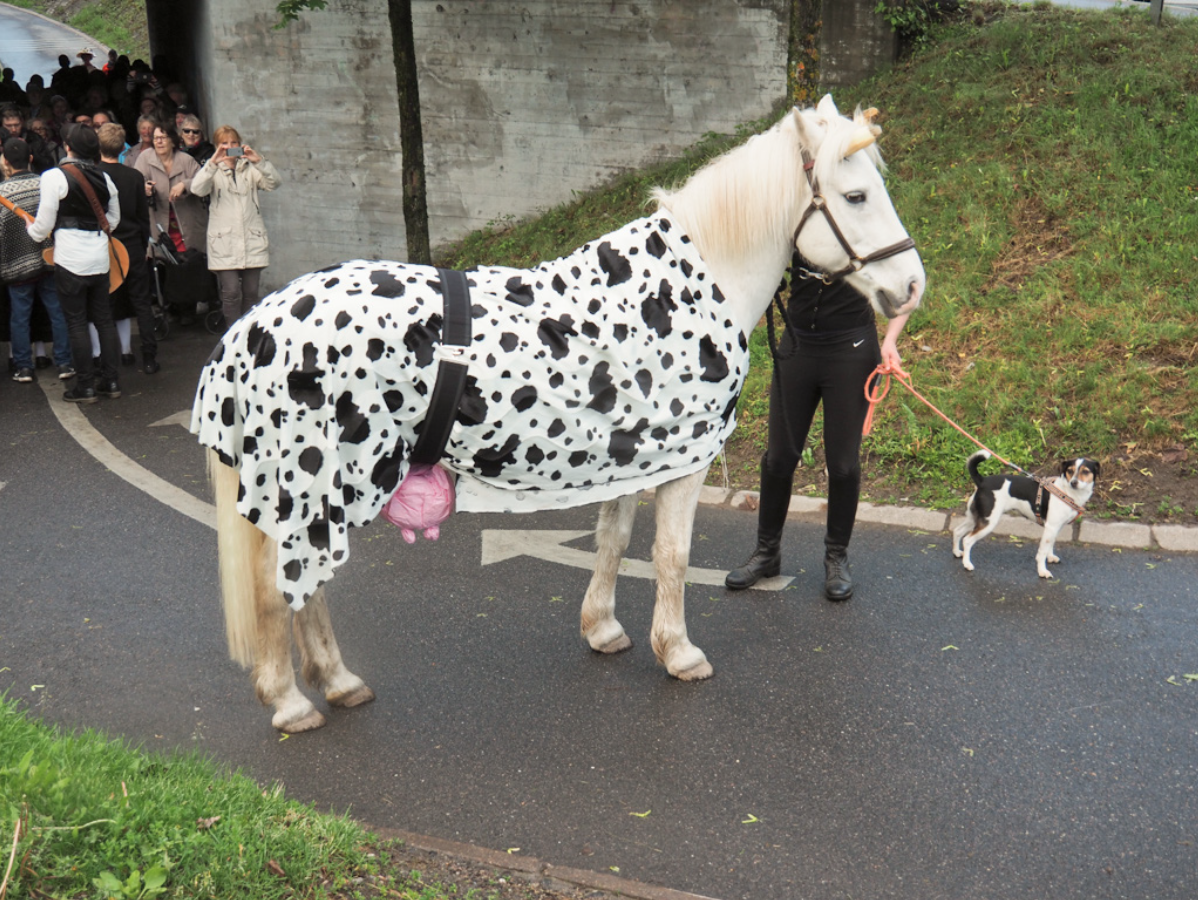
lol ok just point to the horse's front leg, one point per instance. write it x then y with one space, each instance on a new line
320 657
676 504
599 624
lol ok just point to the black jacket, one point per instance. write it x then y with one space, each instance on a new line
134 229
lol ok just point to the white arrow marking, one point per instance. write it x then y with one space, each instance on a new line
549 546
182 418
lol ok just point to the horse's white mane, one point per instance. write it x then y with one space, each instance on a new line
751 195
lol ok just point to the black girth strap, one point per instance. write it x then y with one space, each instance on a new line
451 375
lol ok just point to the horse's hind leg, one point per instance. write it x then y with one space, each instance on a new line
320 656
274 676
676 502
599 624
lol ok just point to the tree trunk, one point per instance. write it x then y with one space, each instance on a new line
411 134
803 62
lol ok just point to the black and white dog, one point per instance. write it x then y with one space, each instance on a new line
998 494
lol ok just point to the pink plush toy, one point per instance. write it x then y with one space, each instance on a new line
423 501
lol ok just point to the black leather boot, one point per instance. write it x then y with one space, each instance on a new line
766 561
838 578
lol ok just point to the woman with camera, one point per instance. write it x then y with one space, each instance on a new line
237 243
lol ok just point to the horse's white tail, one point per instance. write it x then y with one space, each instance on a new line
239 545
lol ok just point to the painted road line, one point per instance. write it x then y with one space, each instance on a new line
500 545
182 418
75 423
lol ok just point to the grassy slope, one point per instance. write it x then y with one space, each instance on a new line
1045 164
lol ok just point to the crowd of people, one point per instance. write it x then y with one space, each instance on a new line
118 151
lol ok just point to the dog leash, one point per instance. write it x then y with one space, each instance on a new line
877 386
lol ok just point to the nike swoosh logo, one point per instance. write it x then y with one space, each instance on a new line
859 343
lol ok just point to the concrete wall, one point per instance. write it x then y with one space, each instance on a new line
855 43
524 103
527 101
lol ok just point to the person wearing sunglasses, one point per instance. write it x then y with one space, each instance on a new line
191 129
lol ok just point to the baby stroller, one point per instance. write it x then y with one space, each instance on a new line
183 285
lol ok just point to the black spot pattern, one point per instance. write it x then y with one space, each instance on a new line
588 377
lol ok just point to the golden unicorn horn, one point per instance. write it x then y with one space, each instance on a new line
863 137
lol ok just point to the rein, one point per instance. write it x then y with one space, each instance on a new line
877 386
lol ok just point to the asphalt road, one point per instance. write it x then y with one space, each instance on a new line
30 43
941 735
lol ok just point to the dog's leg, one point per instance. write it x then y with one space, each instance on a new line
980 530
963 529
1048 542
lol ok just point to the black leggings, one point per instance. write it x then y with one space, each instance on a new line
835 373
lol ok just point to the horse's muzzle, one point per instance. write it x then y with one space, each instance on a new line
892 307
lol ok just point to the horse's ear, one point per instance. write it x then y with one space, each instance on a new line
865 117
827 107
862 138
809 135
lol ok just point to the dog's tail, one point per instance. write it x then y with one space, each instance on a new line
974 462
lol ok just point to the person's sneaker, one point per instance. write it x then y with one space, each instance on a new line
80 395
42 362
23 375
149 363
128 359
66 373
109 389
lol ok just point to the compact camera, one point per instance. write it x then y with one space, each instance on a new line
234 151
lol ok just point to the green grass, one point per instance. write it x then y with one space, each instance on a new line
99 819
1044 162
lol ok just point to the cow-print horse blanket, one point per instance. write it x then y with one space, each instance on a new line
611 370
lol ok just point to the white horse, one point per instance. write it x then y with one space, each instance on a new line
810 183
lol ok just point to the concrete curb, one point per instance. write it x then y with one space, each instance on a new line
532 869
1172 538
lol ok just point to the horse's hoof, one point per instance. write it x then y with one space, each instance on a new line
350 699
695 673
617 645
308 722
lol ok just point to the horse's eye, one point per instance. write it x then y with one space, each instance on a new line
855 197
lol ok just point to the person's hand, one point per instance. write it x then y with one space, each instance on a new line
149 189
250 153
219 156
178 191
890 355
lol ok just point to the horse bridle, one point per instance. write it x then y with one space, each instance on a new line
820 204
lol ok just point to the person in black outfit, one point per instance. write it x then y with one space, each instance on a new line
134 233
829 350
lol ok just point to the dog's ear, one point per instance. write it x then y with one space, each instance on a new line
1065 464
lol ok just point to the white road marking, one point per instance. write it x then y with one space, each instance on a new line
182 418
499 545
75 423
